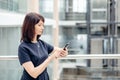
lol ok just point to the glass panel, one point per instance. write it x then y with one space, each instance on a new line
46 8
99 15
61 5
50 69
117 10
99 10
99 4
22 6
9 39
74 10
117 18
14 5
80 6
99 29
79 13
71 32
75 16
76 70
47 34
10 70
76 36
118 31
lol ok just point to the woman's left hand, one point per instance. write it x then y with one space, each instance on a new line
63 53
60 52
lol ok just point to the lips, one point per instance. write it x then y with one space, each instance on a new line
41 31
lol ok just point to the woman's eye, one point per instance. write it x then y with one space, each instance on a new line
39 25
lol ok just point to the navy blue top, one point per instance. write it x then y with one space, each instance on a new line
37 54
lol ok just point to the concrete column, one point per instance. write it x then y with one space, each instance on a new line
33 6
55 35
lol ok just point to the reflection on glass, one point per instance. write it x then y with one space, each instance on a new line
99 10
47 34
79 6
75 10
9 39
46 8
99 3
99 15
73 71
14 5
10 70
99 29
118 30
77 37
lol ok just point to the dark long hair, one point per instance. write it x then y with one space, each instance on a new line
28 27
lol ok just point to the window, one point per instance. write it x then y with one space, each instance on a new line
79 6
48 6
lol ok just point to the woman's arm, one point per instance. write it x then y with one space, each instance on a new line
35 71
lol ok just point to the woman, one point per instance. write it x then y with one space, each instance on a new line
34 54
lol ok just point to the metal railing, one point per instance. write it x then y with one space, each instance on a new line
81 56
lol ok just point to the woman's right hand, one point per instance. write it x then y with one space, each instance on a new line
56 54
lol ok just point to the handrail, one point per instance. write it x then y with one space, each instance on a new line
8 57
81 56
93 56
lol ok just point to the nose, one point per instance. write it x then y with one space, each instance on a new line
42 27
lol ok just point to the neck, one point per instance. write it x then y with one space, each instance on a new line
34 39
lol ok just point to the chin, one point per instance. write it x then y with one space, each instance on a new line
40 34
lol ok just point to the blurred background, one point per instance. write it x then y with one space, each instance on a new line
91 26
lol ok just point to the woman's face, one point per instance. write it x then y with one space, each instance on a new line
39 27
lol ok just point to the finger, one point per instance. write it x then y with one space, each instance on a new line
62 55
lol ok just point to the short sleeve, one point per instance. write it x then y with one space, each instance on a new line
23 55
48 47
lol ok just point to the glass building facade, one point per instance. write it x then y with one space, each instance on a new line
91 26
19 6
